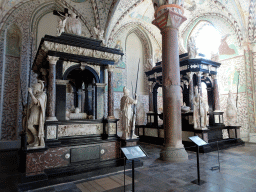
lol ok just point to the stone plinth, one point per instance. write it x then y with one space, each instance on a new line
168 22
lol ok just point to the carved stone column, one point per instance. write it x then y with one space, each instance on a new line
150 95
216 93
110 92
51 100
191 90
169 22
199 82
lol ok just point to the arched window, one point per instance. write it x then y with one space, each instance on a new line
207 38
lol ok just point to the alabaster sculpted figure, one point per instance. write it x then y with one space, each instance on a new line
73 25
126 108
100 34
231 112
191 47
36 114
200 111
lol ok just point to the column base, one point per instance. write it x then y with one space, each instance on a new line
51 119
111 117
172 154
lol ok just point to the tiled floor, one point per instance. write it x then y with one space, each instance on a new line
238 173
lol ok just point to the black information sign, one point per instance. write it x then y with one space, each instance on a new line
133 152
198 141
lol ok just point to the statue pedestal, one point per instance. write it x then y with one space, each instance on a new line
129 142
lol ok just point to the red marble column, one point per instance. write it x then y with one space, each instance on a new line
110 92
51 99
216 94
168 22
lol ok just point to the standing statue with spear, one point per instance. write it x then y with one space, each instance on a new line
128 115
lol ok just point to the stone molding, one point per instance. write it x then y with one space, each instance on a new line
62 82
100 84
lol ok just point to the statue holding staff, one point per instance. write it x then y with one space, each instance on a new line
36 115
127 116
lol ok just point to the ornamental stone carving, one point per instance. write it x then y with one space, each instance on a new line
52 59
111 68
51 46
52 132
79 129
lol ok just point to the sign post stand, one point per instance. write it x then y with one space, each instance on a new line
199 142
131 153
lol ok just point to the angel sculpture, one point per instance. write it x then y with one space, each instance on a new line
100 34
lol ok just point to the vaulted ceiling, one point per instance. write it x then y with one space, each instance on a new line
111 15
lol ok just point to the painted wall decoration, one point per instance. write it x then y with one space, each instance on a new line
118 80
224 49
13 41
11 84
79 1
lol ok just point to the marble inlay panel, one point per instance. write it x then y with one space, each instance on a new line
161 135
56 157
34 163
111 128
52 132
79 129
151 132
110 150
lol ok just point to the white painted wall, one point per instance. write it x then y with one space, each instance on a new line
47 26
134 52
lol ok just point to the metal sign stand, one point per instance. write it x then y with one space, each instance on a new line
131 153
199 142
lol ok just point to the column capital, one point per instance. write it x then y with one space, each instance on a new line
169 19
214 77
199 73
111 68
190 75
150 83
52 59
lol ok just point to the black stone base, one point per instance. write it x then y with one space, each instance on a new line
152 140
129 142
74 173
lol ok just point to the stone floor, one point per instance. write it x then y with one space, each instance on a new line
237 173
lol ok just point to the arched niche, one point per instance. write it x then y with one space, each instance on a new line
10 107
81 88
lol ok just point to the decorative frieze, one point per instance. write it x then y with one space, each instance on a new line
51 46
79 129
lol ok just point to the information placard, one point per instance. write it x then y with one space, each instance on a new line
198 141
133 152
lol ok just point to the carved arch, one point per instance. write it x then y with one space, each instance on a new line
78 66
